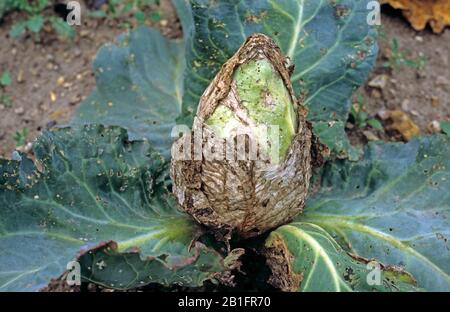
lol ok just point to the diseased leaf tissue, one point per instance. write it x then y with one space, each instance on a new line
249 193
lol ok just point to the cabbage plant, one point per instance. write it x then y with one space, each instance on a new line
103 194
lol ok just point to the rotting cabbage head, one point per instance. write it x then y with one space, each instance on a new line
246 165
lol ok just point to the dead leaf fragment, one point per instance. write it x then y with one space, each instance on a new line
402 123
58 114
421 12
370 136
435 101
20 78
379 82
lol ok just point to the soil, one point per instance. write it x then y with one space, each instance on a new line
423 94
51 77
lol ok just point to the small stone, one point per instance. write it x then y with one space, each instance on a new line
51 124
392 92
44 107
379 82
405 105
434 127
421 74
74 100
60 81
77 52
419 38
52 96
84 33
34 72
28 147
383 114
442 81
376 94
25 148
19 111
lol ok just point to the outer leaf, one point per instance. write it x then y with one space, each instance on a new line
110 267
330 43
139 87
445 125
102 195
304 257
393 206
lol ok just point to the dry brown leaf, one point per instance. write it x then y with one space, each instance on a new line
420 12
402 123
58 114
